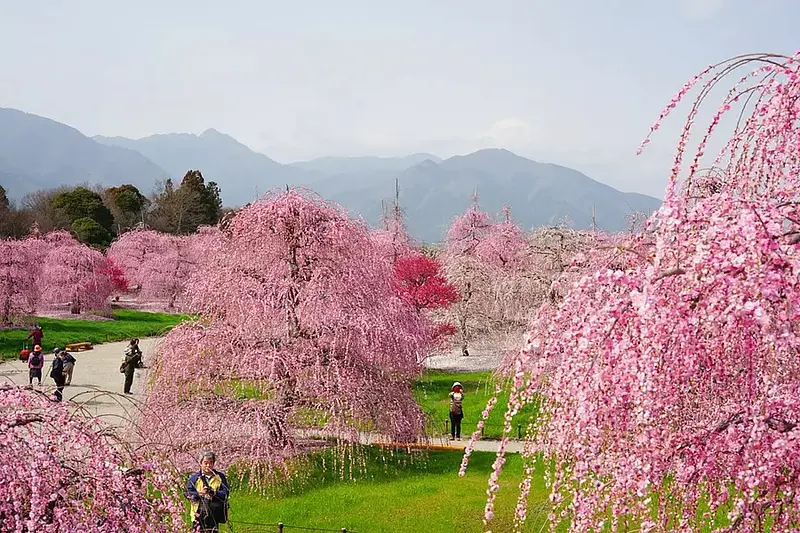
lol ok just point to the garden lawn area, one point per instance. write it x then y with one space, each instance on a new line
127 324
402 492
433 387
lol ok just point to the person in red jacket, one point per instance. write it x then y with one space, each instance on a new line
36 335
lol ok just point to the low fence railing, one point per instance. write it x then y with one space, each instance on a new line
279 527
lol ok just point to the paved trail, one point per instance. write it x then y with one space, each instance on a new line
96 381
97 387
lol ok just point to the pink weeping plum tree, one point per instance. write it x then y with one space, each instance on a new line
668 380
62 472
300 326
18 288
159 265
467 272
75 273
132 251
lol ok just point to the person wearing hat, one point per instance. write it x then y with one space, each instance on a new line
35 365
456 410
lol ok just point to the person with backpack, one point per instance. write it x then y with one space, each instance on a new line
132 360
36 335
57 373
35 365
69 366
208 491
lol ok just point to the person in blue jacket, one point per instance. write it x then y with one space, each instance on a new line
208 491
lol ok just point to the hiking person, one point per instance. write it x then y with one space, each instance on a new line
57 373
35 365
133 357
456 410
208 492
133 346
36 335
69 366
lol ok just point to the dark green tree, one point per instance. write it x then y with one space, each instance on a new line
5 205
89 231
127 204
83 203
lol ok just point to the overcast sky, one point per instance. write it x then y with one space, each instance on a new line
571 82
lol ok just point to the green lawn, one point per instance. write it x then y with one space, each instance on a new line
127 324
400 492
431 392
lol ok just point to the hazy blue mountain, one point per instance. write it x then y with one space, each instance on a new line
538 193
332 166
241 173
36 152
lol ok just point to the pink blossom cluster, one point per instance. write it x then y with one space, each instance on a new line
667 377
158 266
19 291
300 326
62 472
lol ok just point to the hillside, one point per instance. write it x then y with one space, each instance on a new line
242 173
538 193
37 152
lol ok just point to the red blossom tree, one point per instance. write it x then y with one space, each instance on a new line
75 273
667 380
299 310
18 288
421 283
61 472
119 282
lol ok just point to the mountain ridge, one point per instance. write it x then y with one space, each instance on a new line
432 190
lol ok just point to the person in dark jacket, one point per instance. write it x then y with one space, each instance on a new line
208 491
57 373
69 366
133 358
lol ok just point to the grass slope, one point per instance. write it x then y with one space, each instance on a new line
127 324
431 392
400 493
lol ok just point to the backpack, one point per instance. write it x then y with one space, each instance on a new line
69 359
35 359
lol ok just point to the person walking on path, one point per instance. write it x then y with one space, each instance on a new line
133 358
456 410
208 491
69 366
35 365
57 373
36 335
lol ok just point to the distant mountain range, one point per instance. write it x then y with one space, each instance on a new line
36 152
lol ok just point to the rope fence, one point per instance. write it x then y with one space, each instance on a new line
280 527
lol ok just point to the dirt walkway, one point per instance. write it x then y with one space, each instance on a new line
96 380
